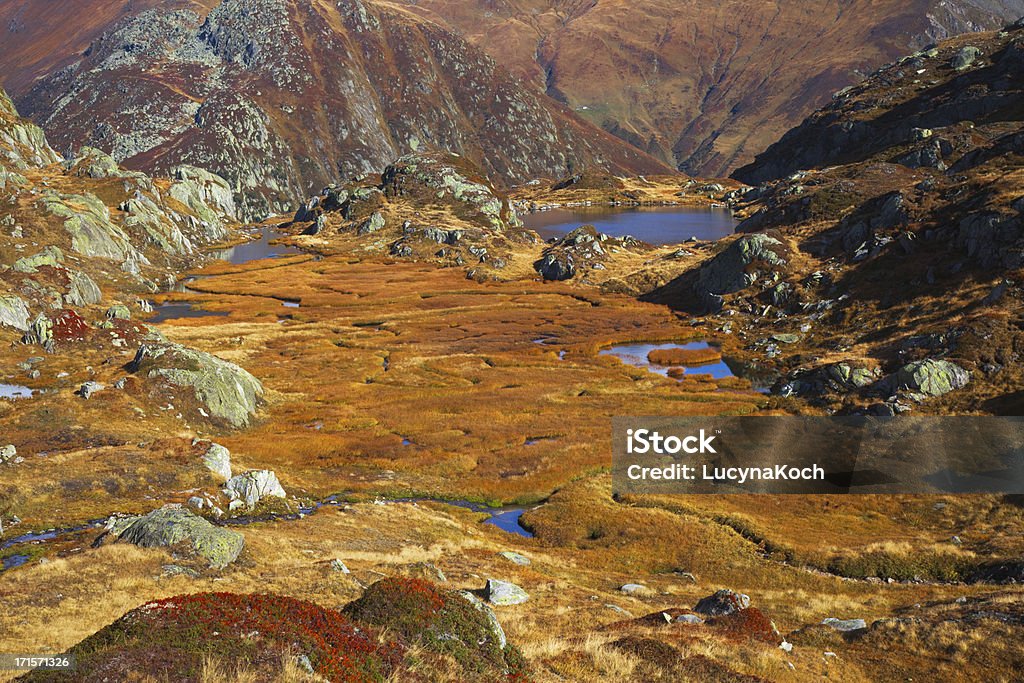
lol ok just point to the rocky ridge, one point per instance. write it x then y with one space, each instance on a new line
281 97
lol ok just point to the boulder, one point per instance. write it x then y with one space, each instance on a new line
8 453
505 593
689 619
50 256
339 566
225 392
515 558
14 313
40 332
94 163
82 291
89 388
634 588
372 224
845 625
174 526
729 271
965 58
722 603
254 486
217 459
442 236
930 377
119 312
556 265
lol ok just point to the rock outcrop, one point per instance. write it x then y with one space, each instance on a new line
252 487
217 390
172 527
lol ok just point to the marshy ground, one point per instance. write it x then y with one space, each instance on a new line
400 379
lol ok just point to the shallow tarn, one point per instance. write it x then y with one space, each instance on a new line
636 353
652 224
15 391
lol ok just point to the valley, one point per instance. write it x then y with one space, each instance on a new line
326 394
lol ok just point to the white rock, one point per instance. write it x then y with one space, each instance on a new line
218 460
505 593
253 486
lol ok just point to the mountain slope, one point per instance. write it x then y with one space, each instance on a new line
83 239
281 97
704 86
890 252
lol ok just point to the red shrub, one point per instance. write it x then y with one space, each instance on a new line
69 326
338 650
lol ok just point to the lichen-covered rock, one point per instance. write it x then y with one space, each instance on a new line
729 272
174 526
87 390
372 224
451 623
50 256
930 377
217 459
254 486
492 619
95 163
119 312
515 558
965 57
209 197
14 312
87 220
22 144
40 332
8 453
82 290
201 190
845 625
505 593
224 392
556 265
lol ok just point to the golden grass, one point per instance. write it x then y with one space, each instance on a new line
685 357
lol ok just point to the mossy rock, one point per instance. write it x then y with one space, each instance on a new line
930 377
444 622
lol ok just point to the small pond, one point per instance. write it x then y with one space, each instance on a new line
174 310
260 248
636 355
653 224
15 391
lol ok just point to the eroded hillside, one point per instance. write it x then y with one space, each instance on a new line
704 87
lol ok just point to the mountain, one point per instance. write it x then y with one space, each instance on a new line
704 86
884 250
282 97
